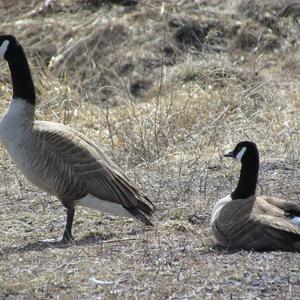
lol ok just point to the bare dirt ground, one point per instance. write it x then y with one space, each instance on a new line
165 87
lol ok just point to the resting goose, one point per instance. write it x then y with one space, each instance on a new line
59 159
243 220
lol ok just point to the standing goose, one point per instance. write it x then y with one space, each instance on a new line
59 159
242 220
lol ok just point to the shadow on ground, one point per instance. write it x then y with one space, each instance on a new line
45 244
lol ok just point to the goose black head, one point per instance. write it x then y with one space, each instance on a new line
12 51
8 45
243 151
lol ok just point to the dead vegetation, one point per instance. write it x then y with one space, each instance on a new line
165 88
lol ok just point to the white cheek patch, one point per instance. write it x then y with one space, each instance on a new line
241 153
3 48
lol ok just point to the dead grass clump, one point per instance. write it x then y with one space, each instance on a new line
264 13
47 8
292 10
37 43
87 52
277 31
292 64
91 57
213 72
139 86
18 6
95 4
251 36
208 31
191 35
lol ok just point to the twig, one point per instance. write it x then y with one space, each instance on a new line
118 240
129 97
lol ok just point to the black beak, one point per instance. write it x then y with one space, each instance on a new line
229 154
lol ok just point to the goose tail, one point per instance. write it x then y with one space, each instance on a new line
139 215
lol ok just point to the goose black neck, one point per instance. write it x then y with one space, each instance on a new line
248 178
22 82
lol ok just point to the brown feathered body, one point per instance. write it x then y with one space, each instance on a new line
65 163
258 223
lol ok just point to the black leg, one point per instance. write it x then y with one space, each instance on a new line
67 237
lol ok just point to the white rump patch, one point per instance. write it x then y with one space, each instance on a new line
296 220
104 206
3 48
241 153
218 206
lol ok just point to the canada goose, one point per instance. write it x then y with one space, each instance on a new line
242 220
59 159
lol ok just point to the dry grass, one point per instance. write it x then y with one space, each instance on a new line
165 109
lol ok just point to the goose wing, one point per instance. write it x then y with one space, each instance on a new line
274 214
290 208
86 169
254 223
